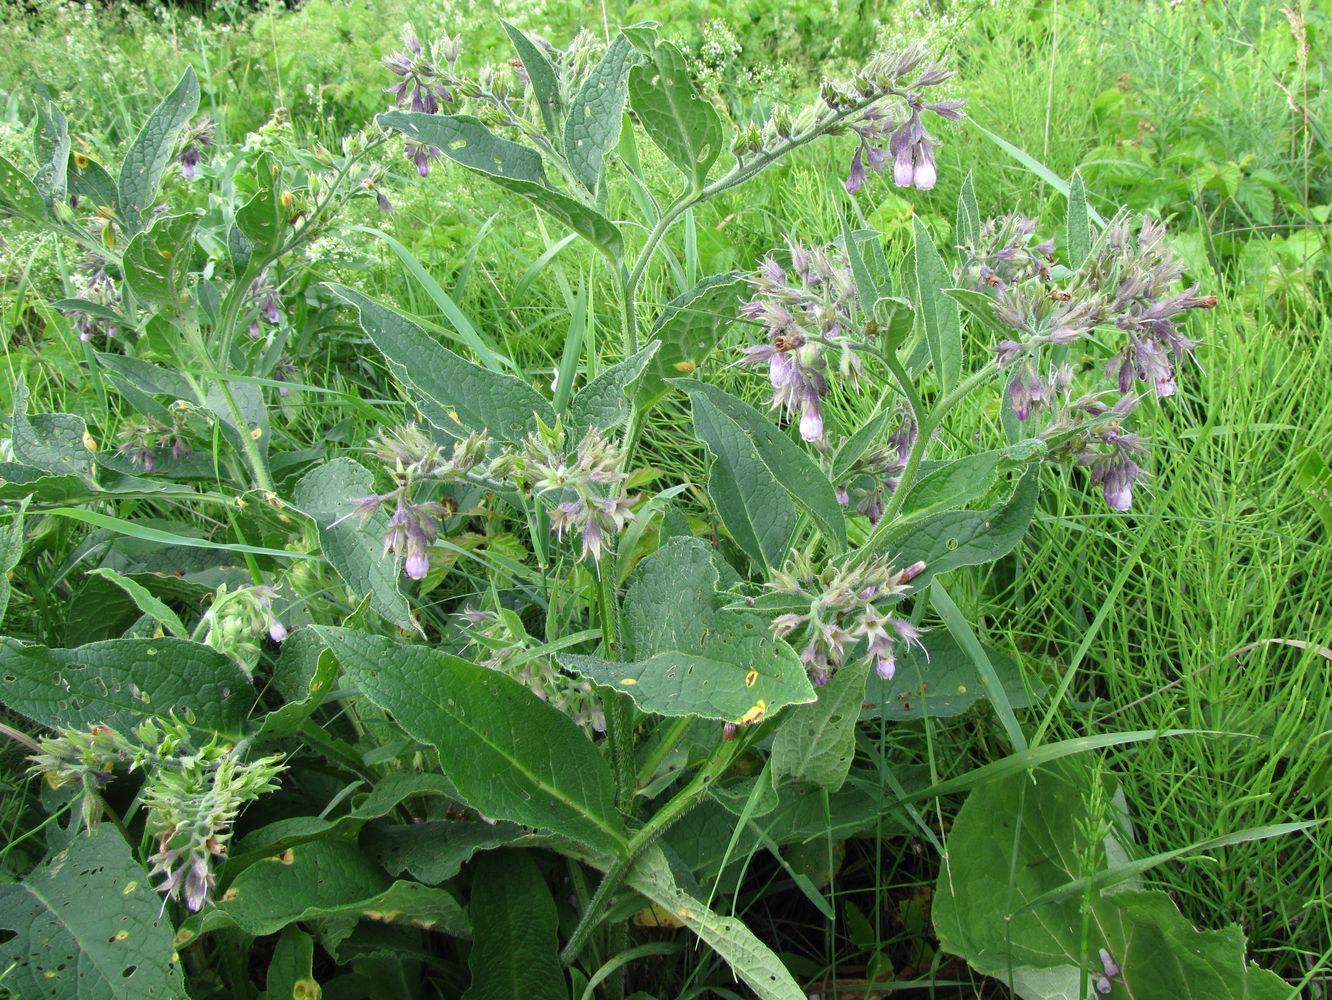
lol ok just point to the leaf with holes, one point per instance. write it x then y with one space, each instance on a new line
692 659
596 111
685 126
54 443
86 923
353 547
120 682
51 142
157 259
510 755
18 195
148 155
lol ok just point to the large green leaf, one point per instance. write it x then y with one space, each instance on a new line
11 551
938 313
516 953
956 538
607 401
762 461
18 195
455 395
690 327
940 681
1018 837
691 659
958 481
511 755
54 443
251 409
434 851
148 155
684 125
354 549
86 925
751 960
966 231
52 148
262 220
596 111
1078 232
90 181
156 261
545 84
467 141
120 682
329 878
816 742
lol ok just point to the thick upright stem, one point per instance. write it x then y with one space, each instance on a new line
618 709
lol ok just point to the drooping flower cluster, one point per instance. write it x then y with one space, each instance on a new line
192 794
581 484
93 285
1126 285
849 614
263 300
412 458
237 619
1090 432
198 135
426 80
503 647
804 313
141 440
873 478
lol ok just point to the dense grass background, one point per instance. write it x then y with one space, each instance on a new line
1206 608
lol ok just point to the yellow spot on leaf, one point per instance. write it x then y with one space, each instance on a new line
684 366
80 160
961 689
754 714
184 936
130 886
628 681
257 433
655 916
120 935
230 894
89 441
751 678
164 254
287 856
453 415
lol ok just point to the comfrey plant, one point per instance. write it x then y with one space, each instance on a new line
508 637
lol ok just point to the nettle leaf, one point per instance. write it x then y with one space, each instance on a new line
981 907
607 400
156 261
956 538
18 195
690 327
465 140
751 960
816 742
86 923
454 394
941 681
120 682
352 548
691 658
684 125
511 755
262 220
765 464
938 313
52 147
545 84
328 878
148 155
516 953
54 443
1078 231
966 231
596 112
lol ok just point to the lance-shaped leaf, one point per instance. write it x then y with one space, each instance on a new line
753 961
966 231
455 395
981 907
55 443
52 147
941 680
756 454
87 923
510 755
545 84
11 551
1078 231
353 547
434 851
675 116
938 313
516 954
262 220
690 658
465 140
148 155
156 261
816 742
18 195
690 327
291 970
120 682
146 376
251 410
595 113
607 400
959 481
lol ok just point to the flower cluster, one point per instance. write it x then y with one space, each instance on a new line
805 313
236 620
142 440
426 80
1090 432
877 474
192 794
200 134
264 300
92 284
411 457
580 483
502 645
848 606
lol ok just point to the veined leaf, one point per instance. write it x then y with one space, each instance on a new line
510 754
262 220
291 970
1078 226
86 923
156 260
684 126
545 85
816 742
90 181
938 313
52 148
18 195
691 659
689 328
607 401
11 551
148 155
593 125
455 395
966 231
516 954
55 443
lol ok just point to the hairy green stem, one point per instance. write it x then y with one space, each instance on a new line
662 750
618 709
